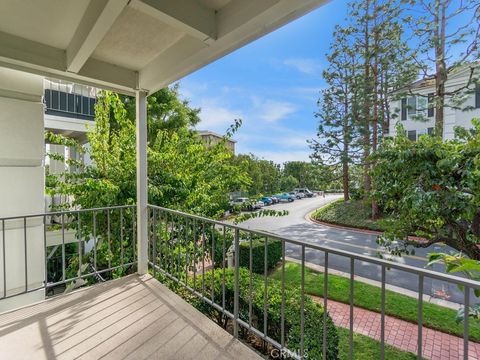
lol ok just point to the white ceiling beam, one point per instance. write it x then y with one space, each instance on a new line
26 55
97 20
238 23
21 51
186 15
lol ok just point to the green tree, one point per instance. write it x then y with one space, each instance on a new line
448 33
307 174
336 130
288 182
431 189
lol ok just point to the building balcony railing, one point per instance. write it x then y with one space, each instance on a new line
217 263
69 104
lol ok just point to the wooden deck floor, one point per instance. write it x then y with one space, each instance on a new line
129 318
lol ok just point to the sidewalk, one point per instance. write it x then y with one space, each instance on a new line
401 334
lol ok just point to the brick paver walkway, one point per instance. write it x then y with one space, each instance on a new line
401 334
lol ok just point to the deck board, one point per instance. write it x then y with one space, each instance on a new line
129 318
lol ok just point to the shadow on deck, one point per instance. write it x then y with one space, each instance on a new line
129 318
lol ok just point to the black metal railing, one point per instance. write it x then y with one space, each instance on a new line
185 248
78 244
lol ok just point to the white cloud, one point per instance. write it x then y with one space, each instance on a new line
304 65
214 116
272 111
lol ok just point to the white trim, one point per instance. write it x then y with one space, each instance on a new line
142 191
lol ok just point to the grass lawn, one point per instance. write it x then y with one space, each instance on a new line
354 213
366 348
369 297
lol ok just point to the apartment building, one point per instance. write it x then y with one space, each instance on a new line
416 112
212 138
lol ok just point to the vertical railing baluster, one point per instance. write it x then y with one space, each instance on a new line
382 318
203 258
45 263
465 321
95 241
265 295
213 264
250 287
420 317
236 294
302 305
186 250
26 252
172 245
178 244
195 250
63 247
109 240
160 241
154 239
167 247
352 276
79 243
325 306
282 308
4 260
134 234
121 236
223 268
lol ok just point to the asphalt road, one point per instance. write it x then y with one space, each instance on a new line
296 226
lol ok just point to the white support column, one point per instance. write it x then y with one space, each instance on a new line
142 192
22 261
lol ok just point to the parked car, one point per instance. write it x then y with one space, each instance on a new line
267 200
296 195
285 197
246 204
275 199
304 191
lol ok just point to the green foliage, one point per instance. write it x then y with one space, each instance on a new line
183 173
365 347
313 311
468 268
431 188
257 245
353 213
309 175
369 297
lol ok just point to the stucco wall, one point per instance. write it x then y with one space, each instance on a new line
21 184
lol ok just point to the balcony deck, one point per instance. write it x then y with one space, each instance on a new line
129 318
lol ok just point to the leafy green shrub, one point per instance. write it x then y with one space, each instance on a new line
274 254
313 326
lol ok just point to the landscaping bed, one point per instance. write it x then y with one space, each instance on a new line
352 213
369 297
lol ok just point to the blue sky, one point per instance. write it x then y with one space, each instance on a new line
272 84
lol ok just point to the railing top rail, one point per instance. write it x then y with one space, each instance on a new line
67 212
373 260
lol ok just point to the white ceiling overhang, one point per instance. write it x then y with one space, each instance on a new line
125 45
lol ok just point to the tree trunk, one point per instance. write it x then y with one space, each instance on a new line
440 66
375 212
366 109
346 143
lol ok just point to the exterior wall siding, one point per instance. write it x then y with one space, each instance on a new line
452 117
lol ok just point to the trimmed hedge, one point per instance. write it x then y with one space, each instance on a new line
274 254
313 335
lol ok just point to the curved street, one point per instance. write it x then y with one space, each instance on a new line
296 226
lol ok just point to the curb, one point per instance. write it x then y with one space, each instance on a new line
309 217
399 290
